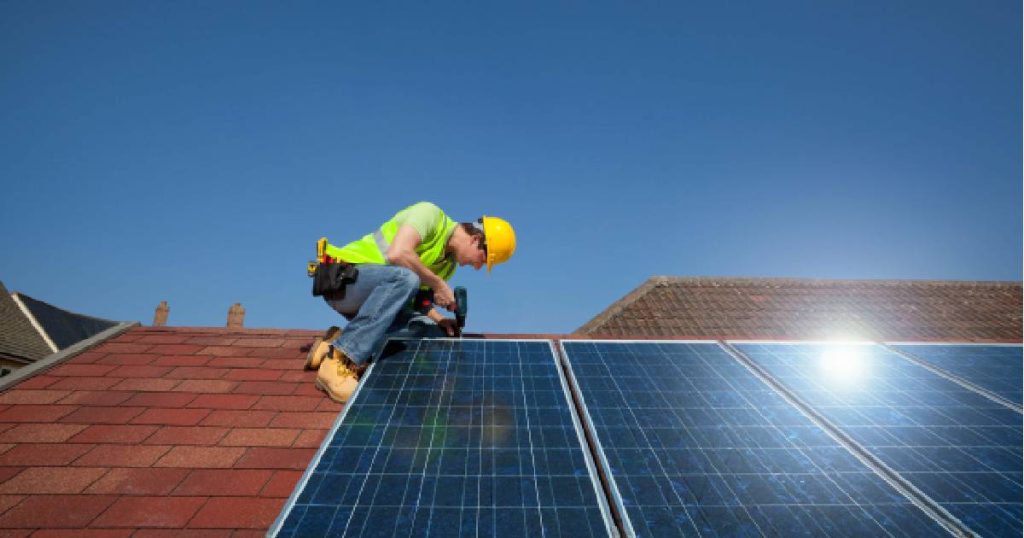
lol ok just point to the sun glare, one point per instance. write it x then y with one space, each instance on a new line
846 365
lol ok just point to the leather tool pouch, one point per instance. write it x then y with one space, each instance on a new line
331 278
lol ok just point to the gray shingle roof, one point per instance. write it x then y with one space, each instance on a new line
64 328
19 340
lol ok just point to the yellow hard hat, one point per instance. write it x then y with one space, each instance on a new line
500 239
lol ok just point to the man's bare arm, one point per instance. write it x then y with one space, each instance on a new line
402 252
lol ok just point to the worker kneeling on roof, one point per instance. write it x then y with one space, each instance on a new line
378 276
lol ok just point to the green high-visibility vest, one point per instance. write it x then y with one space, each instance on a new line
371 248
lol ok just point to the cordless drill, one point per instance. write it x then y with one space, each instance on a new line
425 301
461 306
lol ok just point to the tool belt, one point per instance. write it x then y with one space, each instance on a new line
330 279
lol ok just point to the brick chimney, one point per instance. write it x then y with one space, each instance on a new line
160 317
236 315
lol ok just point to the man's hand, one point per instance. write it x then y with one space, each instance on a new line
449 326
444 297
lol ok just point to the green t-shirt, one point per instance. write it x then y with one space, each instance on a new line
425 218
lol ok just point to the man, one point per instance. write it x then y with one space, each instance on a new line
419 247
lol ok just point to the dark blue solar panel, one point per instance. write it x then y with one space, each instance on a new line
961 449
696 445
999 369
453 438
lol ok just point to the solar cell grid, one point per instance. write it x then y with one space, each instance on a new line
454 438
999 369
959 448
695 445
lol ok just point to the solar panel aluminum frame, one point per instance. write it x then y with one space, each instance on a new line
802 342
965 344
613 487
576 420
953 376
301 485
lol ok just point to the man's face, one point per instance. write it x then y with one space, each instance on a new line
470 253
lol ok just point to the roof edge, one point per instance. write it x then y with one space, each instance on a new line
53 360
616 307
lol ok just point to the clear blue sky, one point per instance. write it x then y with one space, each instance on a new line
194 151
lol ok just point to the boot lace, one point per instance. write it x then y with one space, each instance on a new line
347 368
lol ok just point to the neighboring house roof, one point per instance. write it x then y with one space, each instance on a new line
781 308
64 328
162 428
19 340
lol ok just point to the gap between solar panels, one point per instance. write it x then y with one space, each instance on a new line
932 508
961 449
607 480
959 380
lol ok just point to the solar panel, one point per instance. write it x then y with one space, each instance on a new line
959 448
695 445
453 438
999 369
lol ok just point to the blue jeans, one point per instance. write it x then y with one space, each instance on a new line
377 306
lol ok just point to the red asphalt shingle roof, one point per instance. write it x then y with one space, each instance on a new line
161 431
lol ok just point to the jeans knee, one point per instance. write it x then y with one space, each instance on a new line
408 279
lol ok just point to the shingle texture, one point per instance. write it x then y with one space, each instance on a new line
802 309
188 432
19 340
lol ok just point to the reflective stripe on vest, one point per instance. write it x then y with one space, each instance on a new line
382 244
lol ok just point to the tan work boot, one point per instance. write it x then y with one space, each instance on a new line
321 346
335 378
356 370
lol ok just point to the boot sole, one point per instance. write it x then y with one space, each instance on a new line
309 355
330 334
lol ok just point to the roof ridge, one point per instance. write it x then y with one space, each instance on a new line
835 281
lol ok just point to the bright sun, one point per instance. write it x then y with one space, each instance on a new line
844 364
